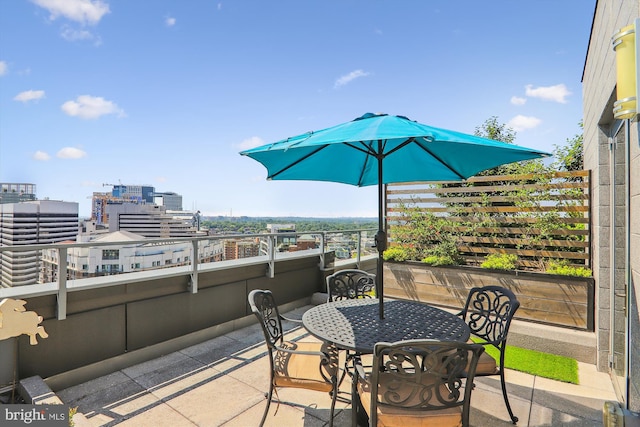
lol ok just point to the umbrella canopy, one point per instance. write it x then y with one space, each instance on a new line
378 149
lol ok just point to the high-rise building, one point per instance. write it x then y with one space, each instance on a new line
245 248
134 193
171 201
146 220
32 222
11 192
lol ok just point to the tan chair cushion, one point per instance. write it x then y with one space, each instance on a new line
303 370
396 416
486 364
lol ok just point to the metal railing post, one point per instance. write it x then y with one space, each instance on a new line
359 248
272 257
322 246
193 286
62 283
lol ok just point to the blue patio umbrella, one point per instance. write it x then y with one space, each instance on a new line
378 149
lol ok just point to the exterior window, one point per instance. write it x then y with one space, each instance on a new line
186 259
85 267
110 254
167 262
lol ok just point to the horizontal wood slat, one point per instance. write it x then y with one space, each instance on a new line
534 216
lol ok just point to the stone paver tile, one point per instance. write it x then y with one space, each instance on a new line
248 335
80 391
175 368
96 421
215 350
545 416
101 401
161 415
215 402
139 403
186 383
488 407
286 415
154 365
590 378
575 405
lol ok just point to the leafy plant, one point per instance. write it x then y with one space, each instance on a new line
500 262
563 268
437 260
72 412
443 253
395 253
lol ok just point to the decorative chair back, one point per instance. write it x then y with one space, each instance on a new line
489 311
350 284
263 305
417 376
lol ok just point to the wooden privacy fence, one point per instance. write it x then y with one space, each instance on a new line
533 216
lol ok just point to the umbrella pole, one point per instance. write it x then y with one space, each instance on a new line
381 236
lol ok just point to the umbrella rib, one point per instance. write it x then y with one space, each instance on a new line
443 163
301 159
369 153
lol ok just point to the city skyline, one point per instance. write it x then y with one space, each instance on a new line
168 93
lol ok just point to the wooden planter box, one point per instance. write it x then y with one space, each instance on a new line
545 298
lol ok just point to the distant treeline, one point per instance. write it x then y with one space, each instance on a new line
250 225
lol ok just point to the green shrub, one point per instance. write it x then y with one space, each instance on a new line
500 262
436 260
396 253
443 253
563 268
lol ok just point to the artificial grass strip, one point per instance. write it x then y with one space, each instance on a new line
552 366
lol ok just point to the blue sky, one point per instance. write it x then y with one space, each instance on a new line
166 93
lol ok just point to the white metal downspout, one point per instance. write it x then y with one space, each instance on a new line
627 254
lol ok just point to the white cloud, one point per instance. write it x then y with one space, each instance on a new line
29 95
170 22
516 100
72 34
350 77
82 11
71 153
520 122
248 143
3 68
41 156
91 107
557 93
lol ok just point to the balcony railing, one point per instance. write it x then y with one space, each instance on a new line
356 244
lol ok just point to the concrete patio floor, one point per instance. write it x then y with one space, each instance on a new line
222 382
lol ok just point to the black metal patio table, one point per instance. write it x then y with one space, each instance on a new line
355 325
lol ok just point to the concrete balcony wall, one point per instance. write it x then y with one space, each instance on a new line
109 325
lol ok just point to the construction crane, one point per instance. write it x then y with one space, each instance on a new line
112 185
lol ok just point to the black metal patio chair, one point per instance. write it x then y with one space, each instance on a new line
350 284
488 311
308 365
419 383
